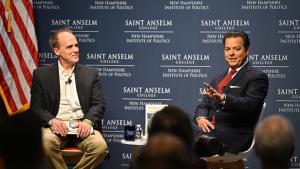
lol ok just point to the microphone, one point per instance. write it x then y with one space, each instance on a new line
69 81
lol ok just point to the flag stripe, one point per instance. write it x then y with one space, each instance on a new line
23 28
28 4
12 70
8 99
28 62
9 93
27 18
17 61
18 36
18 54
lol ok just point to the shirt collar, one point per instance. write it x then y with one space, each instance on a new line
239 67
62 70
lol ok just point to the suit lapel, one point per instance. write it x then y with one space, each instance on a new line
239 76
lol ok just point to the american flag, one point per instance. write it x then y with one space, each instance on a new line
18 53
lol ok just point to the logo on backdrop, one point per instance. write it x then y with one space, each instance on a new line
177 65
110 5
274 65
141 31
288 99
45 5
84 29
288 31
126 157
46 57
196 5
294 162
113 129
136 97
112 64
201 90
264 5
212 30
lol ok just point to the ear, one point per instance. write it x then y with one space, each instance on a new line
56 51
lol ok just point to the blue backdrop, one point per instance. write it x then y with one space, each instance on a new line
161 52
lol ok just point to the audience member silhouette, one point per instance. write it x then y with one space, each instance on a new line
274 142
164 151
173 120
170 142
20 143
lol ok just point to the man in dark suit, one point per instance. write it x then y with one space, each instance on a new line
67 95
231 106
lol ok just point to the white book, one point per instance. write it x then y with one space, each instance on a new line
72 129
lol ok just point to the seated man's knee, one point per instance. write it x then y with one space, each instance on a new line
97 145
50 141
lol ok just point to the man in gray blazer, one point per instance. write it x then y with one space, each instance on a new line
231 106
68 99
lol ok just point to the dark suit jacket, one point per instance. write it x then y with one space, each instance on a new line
236 119
45 93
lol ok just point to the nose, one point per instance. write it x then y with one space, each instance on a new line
75 49
231 52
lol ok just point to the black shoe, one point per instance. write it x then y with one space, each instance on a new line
207 146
